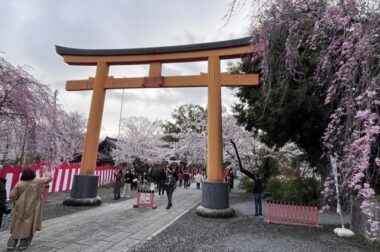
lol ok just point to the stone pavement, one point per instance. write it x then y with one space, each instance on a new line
110 227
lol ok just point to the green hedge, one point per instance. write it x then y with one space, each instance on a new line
377 197
246 184
301 190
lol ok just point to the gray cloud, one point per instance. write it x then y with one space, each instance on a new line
31 28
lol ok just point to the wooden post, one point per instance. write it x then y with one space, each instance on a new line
155 69
215 153
90 150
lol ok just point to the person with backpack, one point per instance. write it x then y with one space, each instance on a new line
170 183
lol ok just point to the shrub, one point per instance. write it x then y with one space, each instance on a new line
377 197
154 173
246 184
274 187
269 167
301 190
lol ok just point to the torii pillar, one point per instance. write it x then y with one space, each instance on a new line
215 196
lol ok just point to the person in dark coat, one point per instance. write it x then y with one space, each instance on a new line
116 189
3 197
134 181
257 192
186 179
170 183
160 182
231 182
128 184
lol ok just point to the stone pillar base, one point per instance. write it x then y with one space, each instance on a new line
215 213
69 201
215 201
84 191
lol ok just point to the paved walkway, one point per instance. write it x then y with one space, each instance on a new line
110 227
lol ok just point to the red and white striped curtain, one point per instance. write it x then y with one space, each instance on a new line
62 175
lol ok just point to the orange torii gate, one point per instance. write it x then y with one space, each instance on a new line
215 192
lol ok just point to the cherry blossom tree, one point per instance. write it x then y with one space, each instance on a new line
140 139
191 136
250 148
191 144
292 162
333 45
32 125
65 137
187 134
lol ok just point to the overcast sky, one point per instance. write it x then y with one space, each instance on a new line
29 30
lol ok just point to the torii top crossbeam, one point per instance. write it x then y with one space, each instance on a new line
194 52
155 57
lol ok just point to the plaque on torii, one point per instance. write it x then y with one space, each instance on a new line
215 197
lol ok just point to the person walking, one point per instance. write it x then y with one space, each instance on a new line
186 179
160 182
144 180
170 182
128 184
180 178
257 192
198 179
116 189
134 181
231 178
3 196
27 218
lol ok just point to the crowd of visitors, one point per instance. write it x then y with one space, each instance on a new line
166 181
130 181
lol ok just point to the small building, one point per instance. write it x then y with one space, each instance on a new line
105 152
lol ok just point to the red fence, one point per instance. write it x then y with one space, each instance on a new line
62 175
292 214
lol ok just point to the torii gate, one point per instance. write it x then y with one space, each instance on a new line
214 191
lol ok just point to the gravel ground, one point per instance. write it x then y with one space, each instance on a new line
246 233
